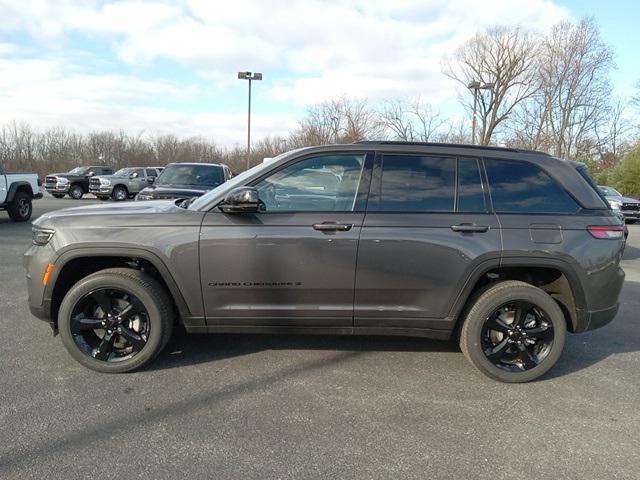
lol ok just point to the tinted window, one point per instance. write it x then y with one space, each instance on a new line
151 172
412 183
195 175
522 187
325 183
470 192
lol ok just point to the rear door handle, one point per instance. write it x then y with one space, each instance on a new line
332 227
469 228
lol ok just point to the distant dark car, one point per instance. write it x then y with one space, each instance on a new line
75 183
186 180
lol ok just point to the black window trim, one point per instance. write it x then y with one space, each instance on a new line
579 207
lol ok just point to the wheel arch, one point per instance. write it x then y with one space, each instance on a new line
16 187
72 266
556 277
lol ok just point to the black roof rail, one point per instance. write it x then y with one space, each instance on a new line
452 145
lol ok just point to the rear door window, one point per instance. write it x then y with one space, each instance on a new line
518 187
415 183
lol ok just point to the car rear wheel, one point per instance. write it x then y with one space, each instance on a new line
119 193
116 320
514 332
76 192
20 208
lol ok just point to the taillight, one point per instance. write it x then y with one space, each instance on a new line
606 232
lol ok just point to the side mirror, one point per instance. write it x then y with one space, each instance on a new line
242 200
133 175
90 174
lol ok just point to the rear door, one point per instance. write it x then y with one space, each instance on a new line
427 226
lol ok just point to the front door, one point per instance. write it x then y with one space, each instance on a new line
294 262
427 226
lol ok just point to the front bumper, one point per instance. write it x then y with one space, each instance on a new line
35 260
103 190
631 214
57 188
600 318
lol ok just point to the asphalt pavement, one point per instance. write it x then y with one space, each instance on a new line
233 406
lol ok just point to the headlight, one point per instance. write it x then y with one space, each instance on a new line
615 205
63 180
41 236
104 181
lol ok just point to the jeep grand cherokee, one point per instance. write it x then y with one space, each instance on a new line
502 250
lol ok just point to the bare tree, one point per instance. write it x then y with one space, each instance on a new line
503 57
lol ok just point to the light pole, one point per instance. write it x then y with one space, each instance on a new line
249 76
475 86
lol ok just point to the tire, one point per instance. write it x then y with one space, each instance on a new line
58 195
119 193
20 208
519 361
104 199
76 192
146 291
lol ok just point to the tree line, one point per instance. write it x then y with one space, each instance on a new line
549 92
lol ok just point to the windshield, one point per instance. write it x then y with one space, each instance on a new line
609 192
195 175
123 172
235 181
79 170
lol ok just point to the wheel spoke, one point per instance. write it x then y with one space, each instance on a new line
126 311
525 357
105 348
521 311
103 301
84 323
495 354
136 341
494 323
541 332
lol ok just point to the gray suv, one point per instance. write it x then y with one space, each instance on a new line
502 250
125 183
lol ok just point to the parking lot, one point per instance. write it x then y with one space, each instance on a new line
231 406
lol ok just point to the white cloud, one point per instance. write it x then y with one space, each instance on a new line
320 50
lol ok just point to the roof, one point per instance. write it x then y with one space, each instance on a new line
449 145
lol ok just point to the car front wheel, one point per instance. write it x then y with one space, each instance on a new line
119 193
514 332
20 208
76 192
115 320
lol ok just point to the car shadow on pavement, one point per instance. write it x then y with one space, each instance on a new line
581 350
631 253
619 337
190 349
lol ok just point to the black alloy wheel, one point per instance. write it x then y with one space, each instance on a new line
110 325
517 336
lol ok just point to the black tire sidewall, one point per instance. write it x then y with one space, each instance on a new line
156 339
76 188
491 300
14 207
117 189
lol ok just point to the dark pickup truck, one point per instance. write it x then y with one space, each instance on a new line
75 183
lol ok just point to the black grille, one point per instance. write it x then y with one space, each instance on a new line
631 206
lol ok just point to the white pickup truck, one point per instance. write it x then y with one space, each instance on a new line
17 190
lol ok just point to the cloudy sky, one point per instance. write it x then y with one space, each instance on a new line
170 66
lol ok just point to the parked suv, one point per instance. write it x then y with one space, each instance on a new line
185 180
75 182
123 184
503 250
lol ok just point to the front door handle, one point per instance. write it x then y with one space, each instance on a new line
469 228
332 227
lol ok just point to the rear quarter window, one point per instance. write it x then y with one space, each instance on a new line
518 187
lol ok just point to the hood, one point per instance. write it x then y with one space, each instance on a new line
111 177
629 200
174 191
64 175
